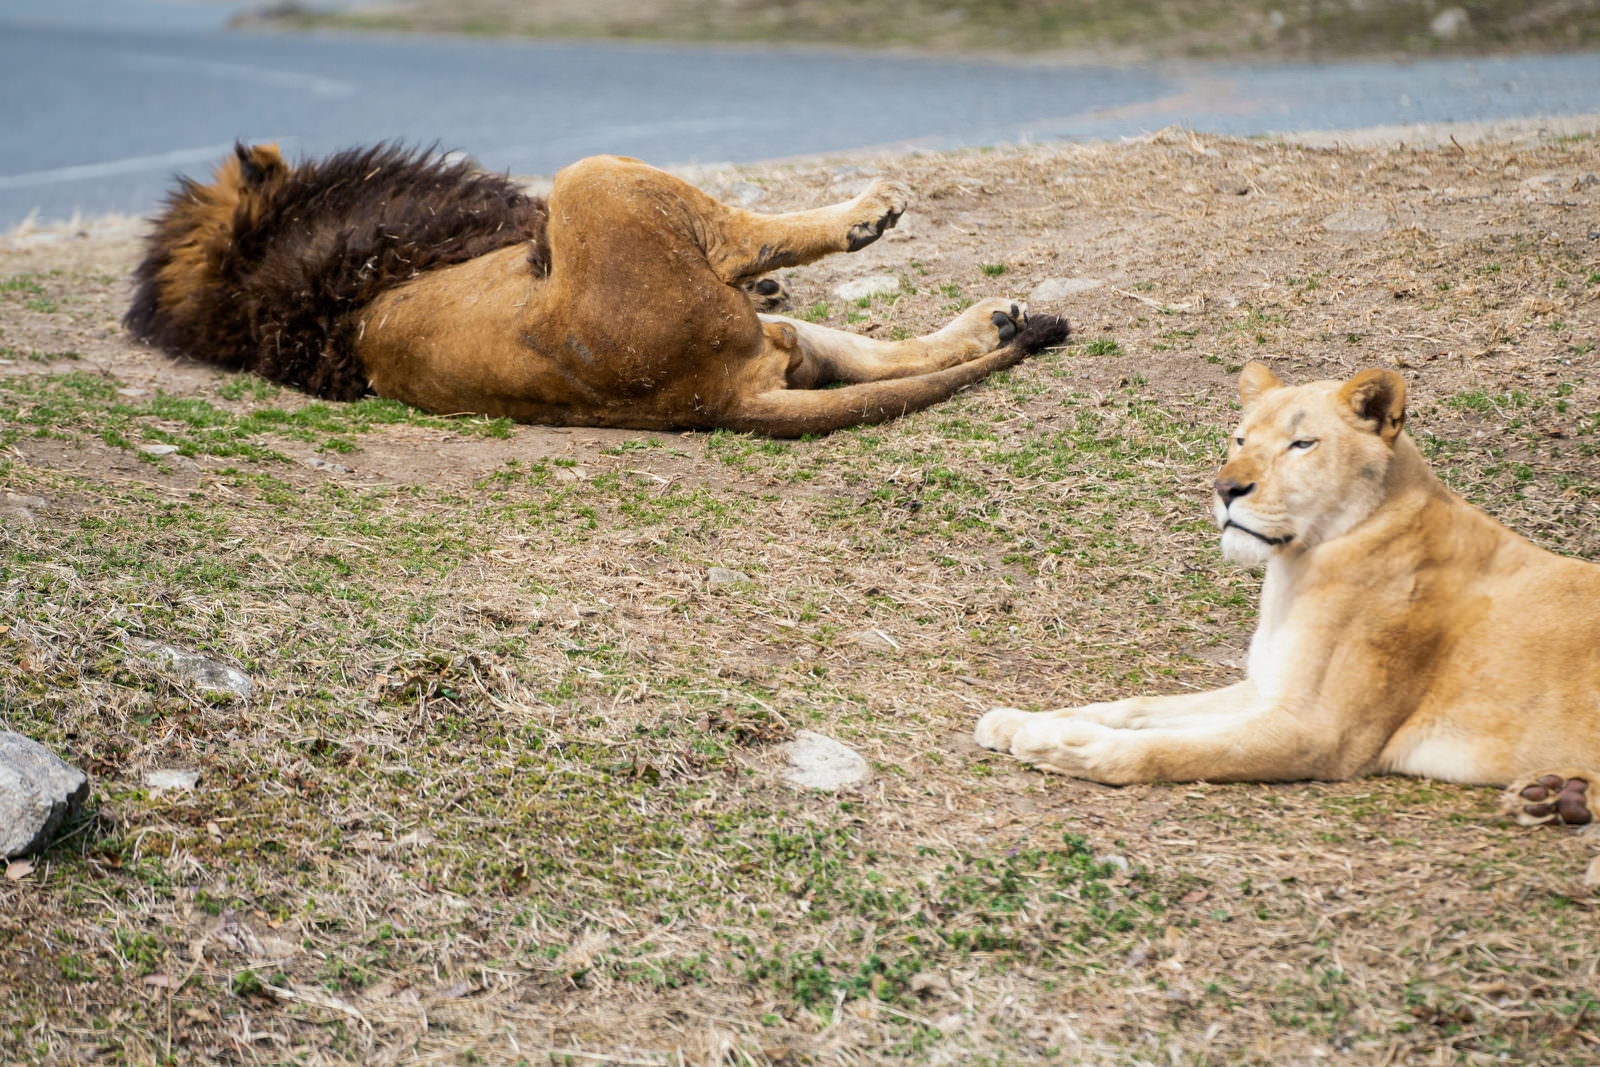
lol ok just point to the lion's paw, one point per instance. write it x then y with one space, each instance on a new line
883 203
1559 797
989 324
767 293
997 726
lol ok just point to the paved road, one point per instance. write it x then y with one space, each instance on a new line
106 99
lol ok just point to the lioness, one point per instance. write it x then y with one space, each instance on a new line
1401 629
617 303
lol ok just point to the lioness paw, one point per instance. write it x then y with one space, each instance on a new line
997 726
1559 797
1063 745
883 203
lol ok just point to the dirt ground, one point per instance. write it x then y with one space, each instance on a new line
504 791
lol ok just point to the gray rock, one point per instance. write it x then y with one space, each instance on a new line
870 286
1358 220
38 792
1450 23
205 673
820 762
172 779
743 193
1052 289
875 638
18 508
848 181
725 576
158 450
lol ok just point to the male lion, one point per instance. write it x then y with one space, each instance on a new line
617 303
1401 630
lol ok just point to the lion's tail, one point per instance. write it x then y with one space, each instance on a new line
261 269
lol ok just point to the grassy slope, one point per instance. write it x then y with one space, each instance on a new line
1266 28
505 789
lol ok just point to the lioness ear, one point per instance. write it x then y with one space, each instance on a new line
1378 398
1254 382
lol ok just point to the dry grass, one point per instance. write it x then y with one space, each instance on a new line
1130 29
505 790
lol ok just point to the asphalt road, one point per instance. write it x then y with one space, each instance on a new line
106 99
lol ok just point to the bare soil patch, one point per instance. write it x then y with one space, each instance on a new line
505 786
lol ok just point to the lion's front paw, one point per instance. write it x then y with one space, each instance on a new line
1559 797
883 203
997 726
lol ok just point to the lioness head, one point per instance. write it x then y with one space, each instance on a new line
1306 463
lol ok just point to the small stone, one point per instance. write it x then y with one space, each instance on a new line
172 779
324 465
1112 860
158 450
868 287
205 673
1358 220
1053 289
875 638
743 193
716 576
1450 23
848 181
38 793
820 762
18 508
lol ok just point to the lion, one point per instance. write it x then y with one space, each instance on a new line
1401 629
617 302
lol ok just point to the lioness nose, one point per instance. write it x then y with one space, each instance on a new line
1230 490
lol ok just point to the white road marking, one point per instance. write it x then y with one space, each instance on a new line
278 79
131 165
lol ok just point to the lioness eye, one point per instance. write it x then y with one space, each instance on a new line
1303 444
1239 441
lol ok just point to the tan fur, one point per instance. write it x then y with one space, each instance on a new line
1401 629
641 321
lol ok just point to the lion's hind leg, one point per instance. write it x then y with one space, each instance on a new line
1563 797
780 409
828 355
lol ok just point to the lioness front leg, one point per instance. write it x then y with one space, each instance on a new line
1225 735
1566 796
1215 706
